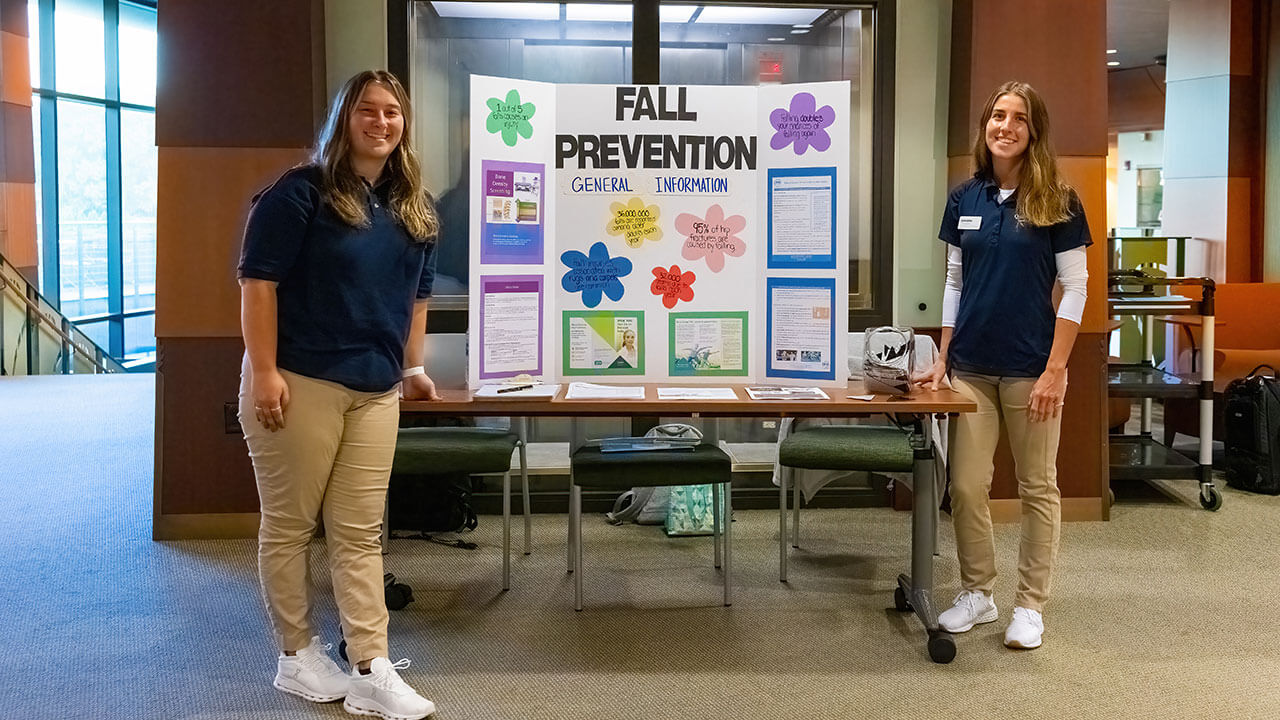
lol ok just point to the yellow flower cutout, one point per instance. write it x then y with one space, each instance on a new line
635 222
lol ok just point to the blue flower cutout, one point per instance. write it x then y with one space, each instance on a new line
594 274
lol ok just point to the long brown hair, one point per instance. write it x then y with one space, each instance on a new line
344 190
1043 198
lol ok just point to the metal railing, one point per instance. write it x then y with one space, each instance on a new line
31 329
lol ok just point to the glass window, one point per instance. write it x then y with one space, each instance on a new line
740 45
452 40
35 135
79 47
137 55
98 332
82 208
138 208
33 45
139 335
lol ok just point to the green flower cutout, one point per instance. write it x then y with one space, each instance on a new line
509 118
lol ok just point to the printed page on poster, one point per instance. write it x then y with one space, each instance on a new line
510 325
801 334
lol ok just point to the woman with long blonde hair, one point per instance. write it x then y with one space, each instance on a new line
336 268
1012 230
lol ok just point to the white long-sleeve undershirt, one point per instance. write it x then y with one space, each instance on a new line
1073 275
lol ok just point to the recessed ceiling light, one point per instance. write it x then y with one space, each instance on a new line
799 32
776 39
1113 63
1112 51
803 25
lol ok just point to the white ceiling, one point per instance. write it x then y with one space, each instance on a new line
1138 30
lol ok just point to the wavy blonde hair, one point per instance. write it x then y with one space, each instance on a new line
1043 198
344 191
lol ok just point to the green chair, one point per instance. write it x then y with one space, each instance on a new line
871 448
422 452
704 464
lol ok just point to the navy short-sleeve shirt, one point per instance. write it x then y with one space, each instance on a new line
1005 322
345 294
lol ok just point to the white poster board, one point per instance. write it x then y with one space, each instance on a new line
659 233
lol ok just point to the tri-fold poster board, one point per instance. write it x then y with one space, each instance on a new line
659 233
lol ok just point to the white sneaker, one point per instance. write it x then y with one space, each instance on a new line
311 674
1025 630
972 607
383 694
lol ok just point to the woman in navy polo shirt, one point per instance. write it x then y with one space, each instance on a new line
1011 230
337 263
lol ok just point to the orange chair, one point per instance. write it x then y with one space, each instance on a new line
1246 335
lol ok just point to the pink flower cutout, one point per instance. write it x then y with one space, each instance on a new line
711 237
673 285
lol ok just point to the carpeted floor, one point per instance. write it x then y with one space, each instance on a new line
1166 611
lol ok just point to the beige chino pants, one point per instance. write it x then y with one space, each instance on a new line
332 459
1003 401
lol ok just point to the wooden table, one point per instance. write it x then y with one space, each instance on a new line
916 588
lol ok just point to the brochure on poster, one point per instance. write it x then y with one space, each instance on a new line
690 232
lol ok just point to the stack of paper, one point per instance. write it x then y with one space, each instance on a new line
786 393
591 391
504 391
696 393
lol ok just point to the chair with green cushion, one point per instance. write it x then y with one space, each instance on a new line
870 448
704 464
428 451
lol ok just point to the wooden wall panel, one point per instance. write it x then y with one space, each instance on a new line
204 468
1056 47
1135 99
15 65
13 17
203 201
240 73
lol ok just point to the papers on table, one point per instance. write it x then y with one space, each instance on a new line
591 391
786 393
505 391
867 398
696 393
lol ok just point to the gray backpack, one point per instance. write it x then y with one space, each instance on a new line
649 505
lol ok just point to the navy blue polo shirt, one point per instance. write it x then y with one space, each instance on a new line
1005 322
345 294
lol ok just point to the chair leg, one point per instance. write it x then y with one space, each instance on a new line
795 512
728 544
506 530
575 523
524 486
783 477
715 520
569 543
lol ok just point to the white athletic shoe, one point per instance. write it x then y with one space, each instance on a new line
972 607
383 694
311 674
1025 630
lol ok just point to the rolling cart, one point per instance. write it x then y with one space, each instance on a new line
1141 457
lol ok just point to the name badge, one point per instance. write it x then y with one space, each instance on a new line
969 222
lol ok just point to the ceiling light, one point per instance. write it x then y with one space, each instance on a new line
1112 51
799 32
499 10
806 26
776 39
1113 63
730 15
613 12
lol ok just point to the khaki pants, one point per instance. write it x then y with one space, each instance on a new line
333 458
1004 401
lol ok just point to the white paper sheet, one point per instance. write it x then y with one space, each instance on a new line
786 393
696 393
592 391
537 391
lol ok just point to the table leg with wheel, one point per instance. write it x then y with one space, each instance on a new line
915 591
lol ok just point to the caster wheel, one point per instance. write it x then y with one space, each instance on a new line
942 647
397 594
1111 497
342 650
900 602
1213 502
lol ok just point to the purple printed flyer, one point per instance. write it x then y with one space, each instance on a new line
512 213
510 343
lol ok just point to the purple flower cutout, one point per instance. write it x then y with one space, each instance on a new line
594 274
803 124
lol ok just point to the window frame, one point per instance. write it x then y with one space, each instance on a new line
45 97
646 53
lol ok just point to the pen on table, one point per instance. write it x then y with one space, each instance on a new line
514 388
